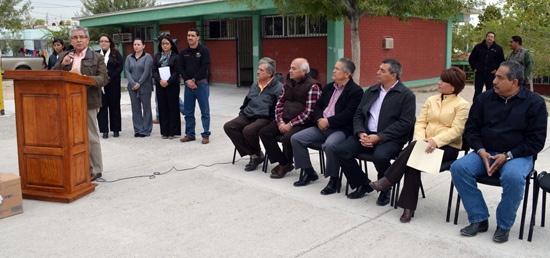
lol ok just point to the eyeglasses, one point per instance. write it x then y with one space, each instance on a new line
103 41
78 37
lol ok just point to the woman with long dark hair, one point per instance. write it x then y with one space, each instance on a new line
58 47
167 84
140 88
110 108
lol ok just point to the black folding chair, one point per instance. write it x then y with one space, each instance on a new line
541 182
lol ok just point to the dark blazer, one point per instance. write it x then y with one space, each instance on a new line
486 59
397 114
345 107
92 65
52 60
173 63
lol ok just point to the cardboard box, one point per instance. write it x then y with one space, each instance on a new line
11 199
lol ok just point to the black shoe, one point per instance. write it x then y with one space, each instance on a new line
137 135
105 135
384 198
475 227
115 134
360 191
254 162
331 187
143 135
501 235
306 179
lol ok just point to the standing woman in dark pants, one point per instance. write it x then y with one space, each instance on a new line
58 47
140 87
110 108
168 89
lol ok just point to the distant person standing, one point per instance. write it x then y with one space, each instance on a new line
522 56
58 47
485 60
110 97
194 62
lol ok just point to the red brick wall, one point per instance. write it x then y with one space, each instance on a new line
149 48
223 62
178 31
283 51
419 46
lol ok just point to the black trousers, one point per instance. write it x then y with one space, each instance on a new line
169 109
268 134
110 109
409 195
483 78
382 154
245 134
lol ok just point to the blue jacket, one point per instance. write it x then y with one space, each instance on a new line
517 125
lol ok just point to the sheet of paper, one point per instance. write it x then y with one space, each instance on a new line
164 73
425 162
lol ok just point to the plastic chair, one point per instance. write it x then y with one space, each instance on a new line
541 182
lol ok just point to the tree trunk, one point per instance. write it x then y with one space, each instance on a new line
355 47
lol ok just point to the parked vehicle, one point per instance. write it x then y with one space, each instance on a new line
22 63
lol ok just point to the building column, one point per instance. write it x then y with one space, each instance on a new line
256 39
156 32
335 45
449 45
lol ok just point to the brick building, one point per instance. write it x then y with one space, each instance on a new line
238 37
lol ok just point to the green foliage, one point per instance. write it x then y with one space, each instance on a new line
39 22
12 42
10 17
462 40
491 13
62 33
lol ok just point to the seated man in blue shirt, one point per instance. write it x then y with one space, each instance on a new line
506 128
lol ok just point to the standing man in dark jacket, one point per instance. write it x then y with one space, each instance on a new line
506 128
293 113
92 64
381 124
194 62
257 111
484 60
333 119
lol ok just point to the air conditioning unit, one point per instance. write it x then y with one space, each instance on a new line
387 43
122 38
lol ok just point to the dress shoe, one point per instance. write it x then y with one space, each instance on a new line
143 135
306 179
384 198
407 215
282 170
105 135
170 137
163 137
115 134
205 140
254 162
187 138
137 135
475 227
501 235
332 186
156 121
95 177
381 185
360 191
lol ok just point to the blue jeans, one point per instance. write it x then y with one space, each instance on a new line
513 173
200 95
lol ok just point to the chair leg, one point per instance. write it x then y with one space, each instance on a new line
543 207
525 201
457 209
533 209
264 167
322 161
340 176
450 201
422 190
234 155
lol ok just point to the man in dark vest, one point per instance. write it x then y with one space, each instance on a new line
522 56
293 113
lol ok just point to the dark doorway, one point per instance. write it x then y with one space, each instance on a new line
245 67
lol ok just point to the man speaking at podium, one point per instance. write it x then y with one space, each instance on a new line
83 60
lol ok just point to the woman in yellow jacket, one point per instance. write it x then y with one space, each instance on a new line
440 124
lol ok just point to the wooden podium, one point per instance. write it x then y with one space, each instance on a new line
52 134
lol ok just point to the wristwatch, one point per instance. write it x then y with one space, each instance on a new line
508 157
193 79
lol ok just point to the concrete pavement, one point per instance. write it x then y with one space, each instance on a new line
220 210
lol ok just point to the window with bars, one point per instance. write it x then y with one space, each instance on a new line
276 26
145 33
222 29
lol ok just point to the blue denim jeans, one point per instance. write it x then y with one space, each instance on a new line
200 95
512 178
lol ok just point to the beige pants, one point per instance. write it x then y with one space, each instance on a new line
96 161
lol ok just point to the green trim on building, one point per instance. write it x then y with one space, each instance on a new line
335 45
256 39
449 45
424 82
223 84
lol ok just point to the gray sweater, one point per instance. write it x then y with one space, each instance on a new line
139 71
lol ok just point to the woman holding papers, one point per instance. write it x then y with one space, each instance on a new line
140 86
440 125
167 84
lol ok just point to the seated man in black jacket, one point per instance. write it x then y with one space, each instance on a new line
257 111
381 124
333 119
506 128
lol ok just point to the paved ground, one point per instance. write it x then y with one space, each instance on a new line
219 210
